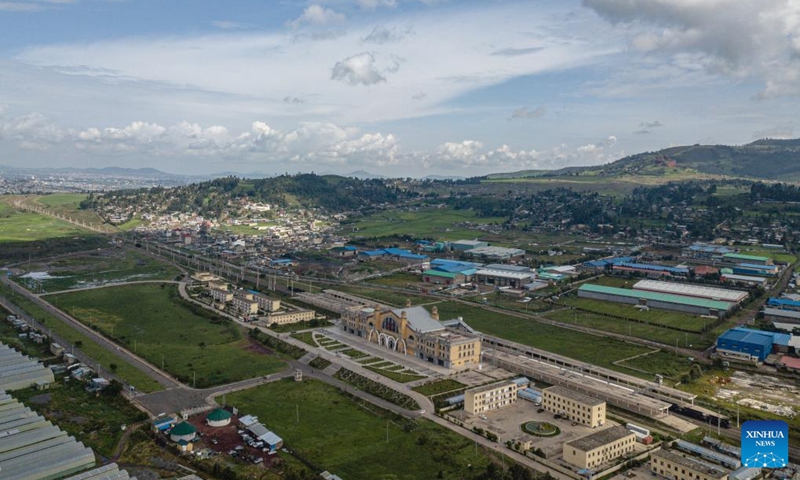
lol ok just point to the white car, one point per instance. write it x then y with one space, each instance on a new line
422 412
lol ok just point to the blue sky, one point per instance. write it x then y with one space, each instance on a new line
399 87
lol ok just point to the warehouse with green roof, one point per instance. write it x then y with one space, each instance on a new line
218 418
664 301
741 258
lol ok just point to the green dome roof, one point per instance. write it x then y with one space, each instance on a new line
182 429
218 415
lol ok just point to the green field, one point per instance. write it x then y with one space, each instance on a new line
17 226
189 339
100 267
580 346
403 376
393 299
99 354
633 329
431 222
655 316
349 439
62 199
664 362
93 420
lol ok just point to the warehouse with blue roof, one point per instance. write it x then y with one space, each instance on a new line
650 269
751 345
784 304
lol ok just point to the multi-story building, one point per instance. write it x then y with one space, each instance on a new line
245 304
414 331
293 316
221 295
599 448
666 463
575 406
490 397
267 304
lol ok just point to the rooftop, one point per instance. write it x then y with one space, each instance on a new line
492 386
577 396
419 319
504 274
661 297
601 438
710 293
218 415
740 256
691 463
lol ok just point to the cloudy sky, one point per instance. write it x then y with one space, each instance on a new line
399 87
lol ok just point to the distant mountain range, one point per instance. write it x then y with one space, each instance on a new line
766 159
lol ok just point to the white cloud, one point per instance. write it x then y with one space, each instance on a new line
20 7
357 70
375 4
525 112
381 34
229 25
742 39
317 15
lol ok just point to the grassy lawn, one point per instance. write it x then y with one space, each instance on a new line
349 439
393 299
320 363
663 362
439 386
17 226
188 339
617 282
294 327
397 279
101 267
404 376
93 420
307 337
633 329
126 371
577 345
656 316
354 354
431 222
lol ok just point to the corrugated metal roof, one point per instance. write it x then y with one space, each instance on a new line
683 289
419 319
436 273
652 267
661 297
270 438
746 336
740 256
783 302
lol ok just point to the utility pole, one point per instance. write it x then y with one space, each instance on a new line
297 407
387 431
194 379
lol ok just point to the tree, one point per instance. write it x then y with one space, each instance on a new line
113 389
113 367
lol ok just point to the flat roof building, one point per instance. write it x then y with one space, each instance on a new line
575 406
464 245
490 397
665 301
688 290
495 253
777 315
750 345
675 466
504 278
741 258
293 316
599 448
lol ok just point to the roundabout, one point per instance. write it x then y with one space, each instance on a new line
540 429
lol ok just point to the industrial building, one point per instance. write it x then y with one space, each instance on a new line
575 406
750 345
31 448
777 315
443 278
739 258
688 290
599 448
746 279
504 278
784 304
490 397
414 331
702 250
756 270
651 270
464 245
18 371
495 253
664 301
675 466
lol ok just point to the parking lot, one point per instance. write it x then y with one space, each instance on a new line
227 440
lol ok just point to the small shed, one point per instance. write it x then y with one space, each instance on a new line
247 421
218 418
183 431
